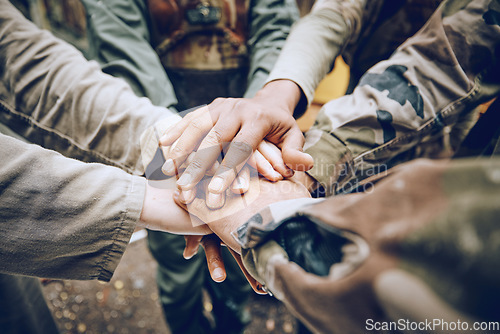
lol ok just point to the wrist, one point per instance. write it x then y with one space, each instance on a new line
307 181
286 91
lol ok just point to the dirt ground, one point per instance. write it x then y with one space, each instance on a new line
129 303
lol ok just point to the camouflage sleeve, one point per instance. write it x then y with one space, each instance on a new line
119 39
270 24
407 106
427 233
316 40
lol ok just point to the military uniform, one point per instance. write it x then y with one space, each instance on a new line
421 243
208 49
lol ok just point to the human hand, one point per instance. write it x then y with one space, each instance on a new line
212 246
244 123
239 208
161 213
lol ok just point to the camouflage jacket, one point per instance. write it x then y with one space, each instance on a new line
419 103
364 32
421 248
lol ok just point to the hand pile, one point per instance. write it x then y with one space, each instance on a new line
220 185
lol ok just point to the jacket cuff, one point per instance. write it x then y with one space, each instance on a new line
333 161
254 231
133 203
151 136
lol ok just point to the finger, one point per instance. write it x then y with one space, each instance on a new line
208 152
213 169
187 196
240 149
215 201
192 245
177 201
265 168
241 184
256 286
190 159
188 141
176 131
273 154
291 148
211 244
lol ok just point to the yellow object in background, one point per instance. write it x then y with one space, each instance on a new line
334 85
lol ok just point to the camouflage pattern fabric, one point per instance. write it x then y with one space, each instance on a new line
362 32
422 245
419 103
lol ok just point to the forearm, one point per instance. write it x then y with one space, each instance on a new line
270 24
314 43
55 98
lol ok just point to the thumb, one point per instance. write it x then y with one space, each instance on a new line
293 155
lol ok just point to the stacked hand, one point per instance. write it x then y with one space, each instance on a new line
222 140
263 125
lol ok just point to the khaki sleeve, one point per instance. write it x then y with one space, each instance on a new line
52 96
315 41
120 40
62 218
270 24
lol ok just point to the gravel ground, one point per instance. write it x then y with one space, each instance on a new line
129 303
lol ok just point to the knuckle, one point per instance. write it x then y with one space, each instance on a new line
215 137
196 164
196 125
242 146
219 100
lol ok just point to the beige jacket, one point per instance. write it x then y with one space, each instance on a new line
61 217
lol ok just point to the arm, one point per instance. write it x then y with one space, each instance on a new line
346 259
315 42
53 96
270 22
120 40
62 218
406 107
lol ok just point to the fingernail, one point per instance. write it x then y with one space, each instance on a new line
184 180
218 275
168 167
277 176
241 183
216 185
185 196
189 256
289 172
215 201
